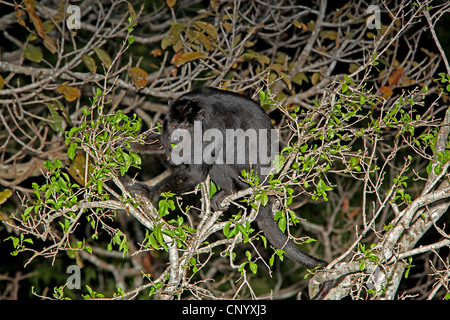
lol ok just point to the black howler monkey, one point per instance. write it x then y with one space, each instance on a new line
205 111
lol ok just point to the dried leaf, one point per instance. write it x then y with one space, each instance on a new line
60 109
279 69
77 168
253 29
58 17
227 26
49 44
103 56
33 53
167 41
204 41
371 35
395 77
29 4
175 56
354 213
55 118
70 93
89 62
352 67
138 76
328 34
386 92
300 77
281 57
171 3
428 53
156 52
131 11
173 37
178 46
214 5
300 25
345 205
315 78
4 195
187 57
208 28
19 14
407 81
37 22
255 55
2 82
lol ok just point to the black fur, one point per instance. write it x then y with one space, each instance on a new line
220 110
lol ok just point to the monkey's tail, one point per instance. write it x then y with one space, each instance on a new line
279 240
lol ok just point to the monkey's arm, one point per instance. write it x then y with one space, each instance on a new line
184 178
152 145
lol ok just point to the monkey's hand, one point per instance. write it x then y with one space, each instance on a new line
217 199
144 190
152 145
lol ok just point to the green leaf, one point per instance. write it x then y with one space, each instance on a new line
279 162
253 267
264 198
362 265
33 53
63 185
438 169
226 230
28 240
344 87
69 134
264 241
272 260
27 211
282 223
100 186
262 97
193 262
362 99
152 241
158 235
71 152
212 189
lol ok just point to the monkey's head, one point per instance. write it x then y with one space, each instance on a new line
182 115
185 111
178 127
